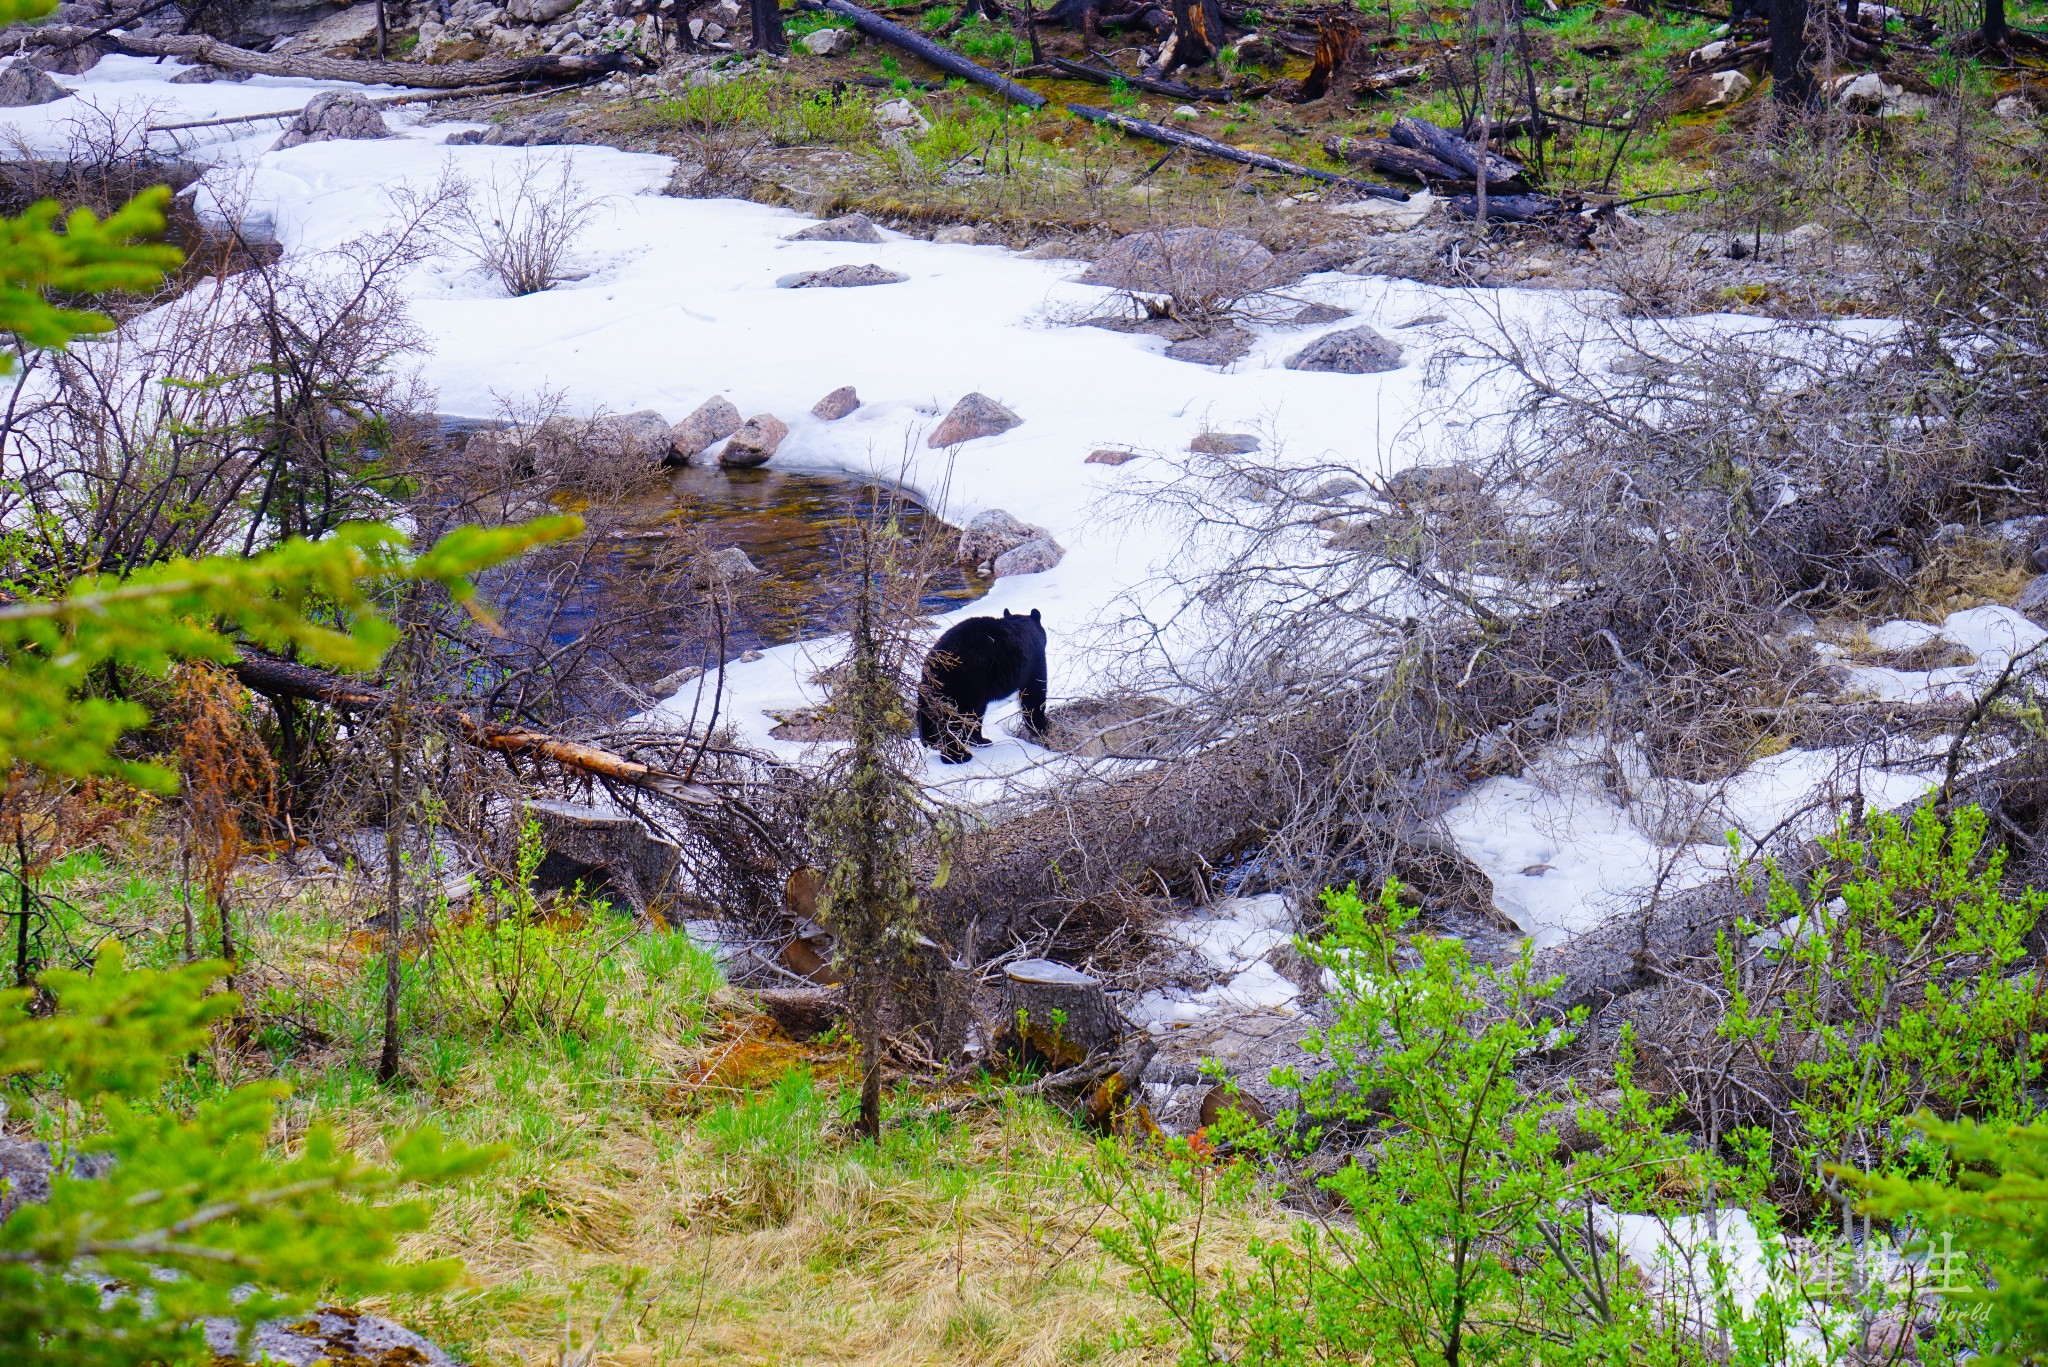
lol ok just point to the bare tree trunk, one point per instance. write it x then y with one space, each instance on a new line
383 53
1791 66
767 25
1994 31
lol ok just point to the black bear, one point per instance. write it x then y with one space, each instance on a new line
980 661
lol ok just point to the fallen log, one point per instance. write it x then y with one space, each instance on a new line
1195 142
1509 208
1171 89
446 76
923 48
1449 148
273 677
1390 158
381 101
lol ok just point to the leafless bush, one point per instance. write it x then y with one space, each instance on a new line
521 229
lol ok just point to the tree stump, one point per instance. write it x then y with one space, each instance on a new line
608 853
1059 1014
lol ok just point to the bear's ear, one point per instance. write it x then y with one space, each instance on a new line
1034 614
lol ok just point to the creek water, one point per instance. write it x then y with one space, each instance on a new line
798 528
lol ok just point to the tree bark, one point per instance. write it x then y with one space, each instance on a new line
447 76
1062 1014
766 21
1791 64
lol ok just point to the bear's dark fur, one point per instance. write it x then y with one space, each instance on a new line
980 661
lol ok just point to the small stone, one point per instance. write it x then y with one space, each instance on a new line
901 114
755 442
22 85
1110 457
1317 315
830 42
333 116
959 235
1354 351
974 417
840 278
714 421
1220 347
845 228
1035 556
836 405
1224 444
1186 111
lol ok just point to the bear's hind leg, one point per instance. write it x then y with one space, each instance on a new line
1032 698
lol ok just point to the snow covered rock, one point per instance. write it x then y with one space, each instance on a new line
332 115
714 421
1182 261
830 42
836 405
1221 347
845 228
755 443
841 278
959 235
1354 351
22 85
974 417
1224 444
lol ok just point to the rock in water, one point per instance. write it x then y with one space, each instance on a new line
731 564
975 416
1181 261
841 278
22 85
1354 351
991 532
333 115
755 443
714 421
836 405
846 228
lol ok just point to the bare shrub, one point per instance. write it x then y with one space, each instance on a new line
522 229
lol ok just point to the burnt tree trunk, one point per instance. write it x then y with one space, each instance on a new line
765 18
1791 64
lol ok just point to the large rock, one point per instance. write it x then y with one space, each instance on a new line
74 60
830 42
341 34
333 115
974 417
1354 351
1707 90
641 433
991 532
1035 556
755 443
550 129
1220 347
841 278
836 405
22 85
611 854
330 1335
714 421
1881 94
537 11
1182 261
846 228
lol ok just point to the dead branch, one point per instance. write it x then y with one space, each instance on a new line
444 76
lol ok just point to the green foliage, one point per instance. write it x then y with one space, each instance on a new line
89 255
1475 1235
191 1207
1994 1212
511 968
1892 986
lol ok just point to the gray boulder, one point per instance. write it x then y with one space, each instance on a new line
22 85
75 60
846 228
974 417
551 129
1224 444
537 11
714 421
1035 556
841 278
1220 347
755 443
988 534
836 405
1180 261
329 1335
642 433
830 42
1354 351
332 116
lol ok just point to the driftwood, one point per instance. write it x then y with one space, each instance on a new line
1209 147
446 76
1171 89
923 48
268 675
